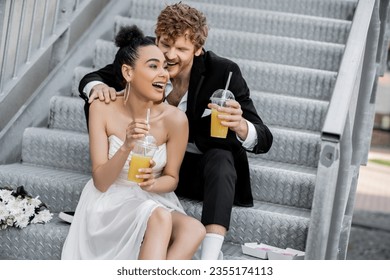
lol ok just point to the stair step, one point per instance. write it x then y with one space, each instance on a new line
340 9
104 53
70 150
45 242
147 25
261 76
272 181
288 80
293 146
282 183
268 48
35 242
78 73
288 111
58 189
256 21
67 113
275 225
56 148
280 50
233 251
262 223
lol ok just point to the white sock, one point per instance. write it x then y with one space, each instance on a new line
211 246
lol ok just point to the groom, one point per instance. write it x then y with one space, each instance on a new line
214 171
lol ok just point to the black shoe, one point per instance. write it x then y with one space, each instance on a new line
66 216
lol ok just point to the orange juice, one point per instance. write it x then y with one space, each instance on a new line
137 162
217 129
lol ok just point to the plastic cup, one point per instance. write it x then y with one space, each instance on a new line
219 98
141 155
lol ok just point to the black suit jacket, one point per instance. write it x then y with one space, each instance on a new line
209 73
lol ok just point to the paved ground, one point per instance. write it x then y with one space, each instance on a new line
370 232
373 192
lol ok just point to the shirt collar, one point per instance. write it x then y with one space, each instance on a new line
183 101
168 88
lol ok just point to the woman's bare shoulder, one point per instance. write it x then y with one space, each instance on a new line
103 107
174 114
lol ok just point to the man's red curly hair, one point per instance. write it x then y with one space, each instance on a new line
178 19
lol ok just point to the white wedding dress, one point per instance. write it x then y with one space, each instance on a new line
111 225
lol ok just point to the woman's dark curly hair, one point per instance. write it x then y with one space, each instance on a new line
175 20
129 39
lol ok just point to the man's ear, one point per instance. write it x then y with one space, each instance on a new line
199 51
127 72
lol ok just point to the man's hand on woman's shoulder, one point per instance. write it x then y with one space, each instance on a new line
102 92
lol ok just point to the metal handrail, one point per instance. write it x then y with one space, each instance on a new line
335 172
34 34
21 56
349 71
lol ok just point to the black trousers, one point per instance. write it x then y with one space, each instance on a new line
211 178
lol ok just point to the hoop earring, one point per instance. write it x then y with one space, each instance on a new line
127 91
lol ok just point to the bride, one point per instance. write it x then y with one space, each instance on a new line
120 219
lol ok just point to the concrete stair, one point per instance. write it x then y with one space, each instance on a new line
289 53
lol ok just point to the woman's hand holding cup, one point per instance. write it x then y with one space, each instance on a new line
136 130
146 174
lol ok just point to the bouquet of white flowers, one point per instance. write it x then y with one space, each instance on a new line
18 209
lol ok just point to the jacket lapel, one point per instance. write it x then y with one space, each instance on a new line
196 81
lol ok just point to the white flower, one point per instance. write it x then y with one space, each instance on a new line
42 217
3 212
34 202
15 207
18 211
29 210
5 195
21 221
10 221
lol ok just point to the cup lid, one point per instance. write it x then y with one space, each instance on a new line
149 141
222 94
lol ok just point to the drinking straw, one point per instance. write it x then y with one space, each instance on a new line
147 116
147 122
227 85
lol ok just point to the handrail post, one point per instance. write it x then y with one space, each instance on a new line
341 193
383 40
362 130
320 220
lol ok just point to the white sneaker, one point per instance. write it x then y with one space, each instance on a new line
66 216
220 256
